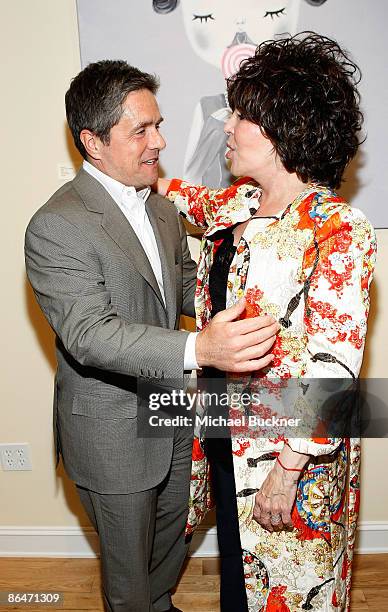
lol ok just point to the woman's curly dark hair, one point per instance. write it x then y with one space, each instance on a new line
302 92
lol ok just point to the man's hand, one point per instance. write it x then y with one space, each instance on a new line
236 346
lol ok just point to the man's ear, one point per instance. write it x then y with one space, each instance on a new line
92 143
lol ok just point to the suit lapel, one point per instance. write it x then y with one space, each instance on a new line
166 253
115 224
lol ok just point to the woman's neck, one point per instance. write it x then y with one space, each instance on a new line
278 191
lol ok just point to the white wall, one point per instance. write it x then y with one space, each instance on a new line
39 43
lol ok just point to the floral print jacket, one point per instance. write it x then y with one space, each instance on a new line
310 267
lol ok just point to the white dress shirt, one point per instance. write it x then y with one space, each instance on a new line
132 205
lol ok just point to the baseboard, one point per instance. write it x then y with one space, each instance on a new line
204 543
83 542
48 542
372 537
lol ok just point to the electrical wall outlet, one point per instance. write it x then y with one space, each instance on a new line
15 456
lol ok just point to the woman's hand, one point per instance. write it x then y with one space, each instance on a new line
161 186
275 500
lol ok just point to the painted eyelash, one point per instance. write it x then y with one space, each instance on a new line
203 18
273 14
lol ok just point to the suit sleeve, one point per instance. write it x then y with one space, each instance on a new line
66 275
189 274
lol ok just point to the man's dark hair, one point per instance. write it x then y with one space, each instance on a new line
95 97
302 92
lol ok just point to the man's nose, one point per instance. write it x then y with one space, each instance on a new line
157 141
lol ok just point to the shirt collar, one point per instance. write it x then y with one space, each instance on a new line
116 190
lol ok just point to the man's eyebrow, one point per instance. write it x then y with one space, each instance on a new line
142 124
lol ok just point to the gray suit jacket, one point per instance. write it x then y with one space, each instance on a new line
97 290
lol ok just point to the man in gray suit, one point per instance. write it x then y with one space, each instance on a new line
111 270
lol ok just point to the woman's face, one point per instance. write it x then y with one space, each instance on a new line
216 27
250 152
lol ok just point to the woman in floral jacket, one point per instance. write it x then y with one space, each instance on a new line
296 250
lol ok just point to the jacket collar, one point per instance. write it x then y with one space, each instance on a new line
236 209
97 200
246 202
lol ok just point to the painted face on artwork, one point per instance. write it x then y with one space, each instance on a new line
223 33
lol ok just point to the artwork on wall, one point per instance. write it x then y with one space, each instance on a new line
194 45
223 34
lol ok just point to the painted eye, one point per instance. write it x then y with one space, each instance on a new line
273 14
203 18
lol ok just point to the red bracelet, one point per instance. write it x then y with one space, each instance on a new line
287 468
